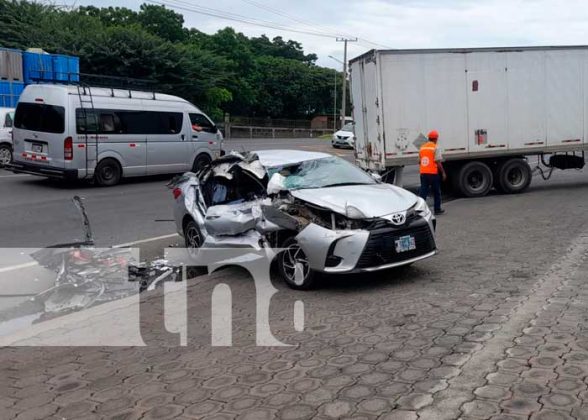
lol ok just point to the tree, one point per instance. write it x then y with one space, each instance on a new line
222 72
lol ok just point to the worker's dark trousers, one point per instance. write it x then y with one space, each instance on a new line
428 181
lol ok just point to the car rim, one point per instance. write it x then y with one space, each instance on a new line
295 263
515 177
193 237
5 156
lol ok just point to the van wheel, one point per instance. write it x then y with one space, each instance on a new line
514 176
474 179
294 267
108 173
5 155
201 162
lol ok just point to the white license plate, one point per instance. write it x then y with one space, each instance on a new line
37 148
405 244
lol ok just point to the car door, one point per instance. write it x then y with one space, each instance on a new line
167 145
204 133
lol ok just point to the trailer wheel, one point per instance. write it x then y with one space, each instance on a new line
514 176
474 179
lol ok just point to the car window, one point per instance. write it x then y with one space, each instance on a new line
8 120
349 127
200 122
321 173
40 117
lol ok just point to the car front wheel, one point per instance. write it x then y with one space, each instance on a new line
294 266
5 155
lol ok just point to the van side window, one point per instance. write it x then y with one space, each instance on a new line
200 123
87 125
109 123
114 121
171 122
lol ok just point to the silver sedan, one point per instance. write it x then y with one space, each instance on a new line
322 214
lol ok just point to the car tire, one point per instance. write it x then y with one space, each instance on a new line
192 235
288 263
108 173
5 155
514 176
474 179
201 162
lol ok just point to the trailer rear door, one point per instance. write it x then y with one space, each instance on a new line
366 111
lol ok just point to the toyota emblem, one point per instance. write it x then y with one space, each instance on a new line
398 219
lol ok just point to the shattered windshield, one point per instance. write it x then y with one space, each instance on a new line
322 173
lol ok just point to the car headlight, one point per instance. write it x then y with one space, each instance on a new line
422 209
353 212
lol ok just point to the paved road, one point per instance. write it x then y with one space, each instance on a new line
491 328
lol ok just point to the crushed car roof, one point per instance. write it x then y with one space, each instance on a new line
273 158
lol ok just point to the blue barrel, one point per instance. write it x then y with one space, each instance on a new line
4 93
74 68
10 93
60 67
37 67
16 90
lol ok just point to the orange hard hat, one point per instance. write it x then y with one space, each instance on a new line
434 135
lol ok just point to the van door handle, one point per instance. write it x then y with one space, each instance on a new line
194 136
183 137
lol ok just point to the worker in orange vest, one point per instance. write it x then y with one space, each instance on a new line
432 171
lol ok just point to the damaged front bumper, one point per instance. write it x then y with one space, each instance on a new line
356 251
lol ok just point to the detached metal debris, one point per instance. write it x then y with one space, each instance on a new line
88 276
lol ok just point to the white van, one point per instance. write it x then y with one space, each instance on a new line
6 119
76 132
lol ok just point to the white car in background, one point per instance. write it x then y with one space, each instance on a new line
345 137
6 120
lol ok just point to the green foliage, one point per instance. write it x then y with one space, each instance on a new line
223 72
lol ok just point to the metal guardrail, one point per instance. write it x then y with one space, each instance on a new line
241 132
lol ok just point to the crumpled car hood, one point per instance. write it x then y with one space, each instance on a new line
374 201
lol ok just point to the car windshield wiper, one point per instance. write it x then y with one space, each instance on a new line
344 184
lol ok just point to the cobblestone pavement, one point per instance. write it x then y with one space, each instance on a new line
493 327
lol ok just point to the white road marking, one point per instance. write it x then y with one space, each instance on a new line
18 267
14 175
127 245
144 241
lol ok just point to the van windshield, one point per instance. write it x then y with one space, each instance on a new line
40 117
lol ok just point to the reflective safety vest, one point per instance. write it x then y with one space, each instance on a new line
427 159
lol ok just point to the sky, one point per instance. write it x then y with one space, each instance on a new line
397 24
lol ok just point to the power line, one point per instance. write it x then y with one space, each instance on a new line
290 17
362 41
233 17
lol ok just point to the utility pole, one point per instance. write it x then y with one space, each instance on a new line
345 73
335 94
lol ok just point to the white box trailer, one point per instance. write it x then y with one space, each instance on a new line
493 107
